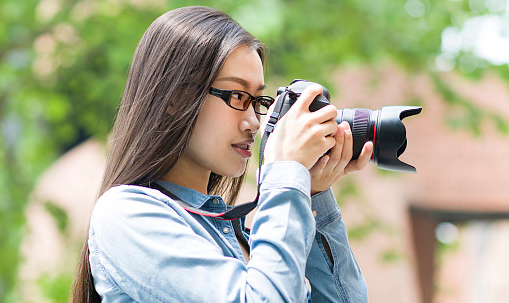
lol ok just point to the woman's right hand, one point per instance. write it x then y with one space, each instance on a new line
301 135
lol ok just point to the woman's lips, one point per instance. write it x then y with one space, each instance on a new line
243 149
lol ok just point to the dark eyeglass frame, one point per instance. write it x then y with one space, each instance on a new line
226 95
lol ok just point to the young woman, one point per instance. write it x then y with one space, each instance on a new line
184 132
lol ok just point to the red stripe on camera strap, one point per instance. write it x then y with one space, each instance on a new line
230 214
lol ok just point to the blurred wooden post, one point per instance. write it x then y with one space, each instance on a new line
423 233
424 220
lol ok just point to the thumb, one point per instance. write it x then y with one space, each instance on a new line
307 97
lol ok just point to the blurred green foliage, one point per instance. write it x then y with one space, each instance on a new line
390 256
63 65
59 215
56 289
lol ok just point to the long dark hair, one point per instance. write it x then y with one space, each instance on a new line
174 65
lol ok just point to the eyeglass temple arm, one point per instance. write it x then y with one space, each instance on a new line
223 94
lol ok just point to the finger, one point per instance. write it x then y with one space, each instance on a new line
347 151
307 96
325 113
363 159
329 143
335 153
329 128
319 166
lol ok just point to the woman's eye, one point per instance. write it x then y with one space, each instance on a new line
237 95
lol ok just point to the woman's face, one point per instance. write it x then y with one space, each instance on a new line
222 137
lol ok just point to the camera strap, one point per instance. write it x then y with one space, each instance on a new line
231 216
269 128
237 211
231 213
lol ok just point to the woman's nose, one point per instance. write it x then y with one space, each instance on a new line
250 121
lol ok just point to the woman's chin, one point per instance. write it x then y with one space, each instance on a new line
235 175
233 172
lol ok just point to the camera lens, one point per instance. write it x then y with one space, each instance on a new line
362 123
385 129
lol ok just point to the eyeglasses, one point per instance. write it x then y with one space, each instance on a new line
240 100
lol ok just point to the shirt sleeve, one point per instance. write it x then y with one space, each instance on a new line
146 250
341 281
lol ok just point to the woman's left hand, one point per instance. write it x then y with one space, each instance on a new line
334 166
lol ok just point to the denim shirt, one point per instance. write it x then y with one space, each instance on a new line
144 247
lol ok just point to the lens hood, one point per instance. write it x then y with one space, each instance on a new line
390 138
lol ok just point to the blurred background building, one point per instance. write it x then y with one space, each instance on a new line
437 236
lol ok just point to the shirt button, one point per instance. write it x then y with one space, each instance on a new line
226 230
215 201
314 213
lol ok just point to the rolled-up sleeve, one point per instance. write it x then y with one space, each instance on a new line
341 280
283 230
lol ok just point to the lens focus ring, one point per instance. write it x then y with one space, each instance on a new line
360 130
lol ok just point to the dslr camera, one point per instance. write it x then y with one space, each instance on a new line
383 127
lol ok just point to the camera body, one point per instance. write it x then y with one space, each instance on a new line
383 127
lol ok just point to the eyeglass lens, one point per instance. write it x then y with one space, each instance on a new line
241 100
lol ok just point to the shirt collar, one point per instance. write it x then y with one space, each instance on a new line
188 195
